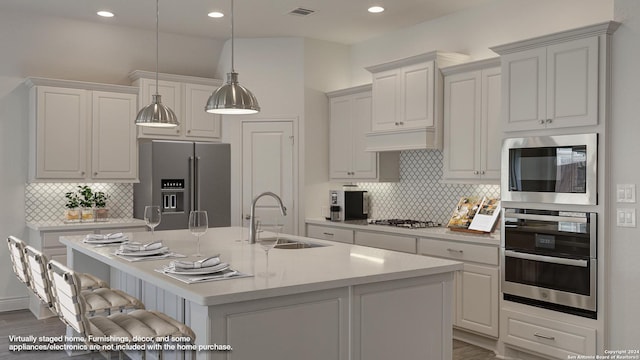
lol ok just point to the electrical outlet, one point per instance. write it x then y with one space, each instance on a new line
626 193
626 217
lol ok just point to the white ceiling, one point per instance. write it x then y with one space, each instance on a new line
342 21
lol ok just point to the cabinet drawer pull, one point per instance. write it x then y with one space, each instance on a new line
328 234
546 337
454 250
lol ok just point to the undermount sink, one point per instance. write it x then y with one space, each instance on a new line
284 243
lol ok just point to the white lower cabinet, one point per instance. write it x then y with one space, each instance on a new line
386 241
547 336
477 289
330 233
476 286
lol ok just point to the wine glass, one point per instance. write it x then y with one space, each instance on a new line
152 217
198 225
267 237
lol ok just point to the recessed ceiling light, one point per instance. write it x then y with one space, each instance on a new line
105 13
375 9
215 14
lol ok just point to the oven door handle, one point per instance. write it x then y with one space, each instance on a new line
551 218
548 259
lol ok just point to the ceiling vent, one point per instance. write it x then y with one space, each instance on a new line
301 11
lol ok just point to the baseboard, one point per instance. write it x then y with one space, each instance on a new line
12 304
474 339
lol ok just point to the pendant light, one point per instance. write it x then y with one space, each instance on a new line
156 114
232 98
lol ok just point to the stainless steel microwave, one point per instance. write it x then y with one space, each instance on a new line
550 169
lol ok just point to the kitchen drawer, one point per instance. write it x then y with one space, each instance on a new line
330 233
459 251
546 336
386 241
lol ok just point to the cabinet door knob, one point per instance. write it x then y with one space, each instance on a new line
542 122
82 173
178 131
482 172
95 173
401 123
549 121
397 123
475 172
188 131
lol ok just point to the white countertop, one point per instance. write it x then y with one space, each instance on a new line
296 271
442 233
60 225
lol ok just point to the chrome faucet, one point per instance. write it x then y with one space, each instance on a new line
252 226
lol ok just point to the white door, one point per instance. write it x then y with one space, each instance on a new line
267 165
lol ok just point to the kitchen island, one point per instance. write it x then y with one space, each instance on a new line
335 301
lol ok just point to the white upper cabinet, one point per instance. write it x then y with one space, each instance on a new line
350 120
404 98
187 97
554 81
472 127
113 141
407 102
82 131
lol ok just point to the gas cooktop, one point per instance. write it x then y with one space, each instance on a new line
405 223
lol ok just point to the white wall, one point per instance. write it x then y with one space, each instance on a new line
34 45
473 31
289 77
326 69
624 243
13 175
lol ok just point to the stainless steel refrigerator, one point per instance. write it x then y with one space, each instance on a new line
180 176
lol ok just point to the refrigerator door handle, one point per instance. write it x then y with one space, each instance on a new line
197 187
191 183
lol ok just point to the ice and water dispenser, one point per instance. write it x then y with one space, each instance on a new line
172 191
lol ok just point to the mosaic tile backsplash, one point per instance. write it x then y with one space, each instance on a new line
419 195
45 201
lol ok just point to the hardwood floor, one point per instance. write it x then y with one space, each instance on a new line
23 323
464 351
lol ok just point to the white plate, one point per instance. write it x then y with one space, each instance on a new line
162 250
200 271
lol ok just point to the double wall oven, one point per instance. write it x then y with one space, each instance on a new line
550 259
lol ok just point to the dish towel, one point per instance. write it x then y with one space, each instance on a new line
210 261
136 247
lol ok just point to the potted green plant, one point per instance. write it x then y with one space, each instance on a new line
100 213
72 213
86 202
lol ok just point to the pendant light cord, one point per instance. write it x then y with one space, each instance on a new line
157 41
232 47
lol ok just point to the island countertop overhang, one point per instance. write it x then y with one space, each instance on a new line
331 266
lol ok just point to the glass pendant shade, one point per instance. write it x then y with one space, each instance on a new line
232 98
156 114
